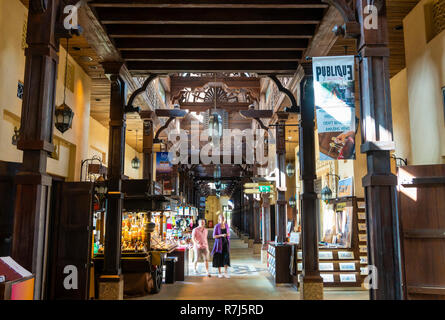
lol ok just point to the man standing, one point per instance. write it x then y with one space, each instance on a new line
200 245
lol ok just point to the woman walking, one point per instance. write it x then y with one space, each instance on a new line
220 252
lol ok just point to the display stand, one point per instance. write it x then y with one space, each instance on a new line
142 269
343 266
182 266
278 261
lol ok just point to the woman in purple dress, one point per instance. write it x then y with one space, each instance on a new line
221 248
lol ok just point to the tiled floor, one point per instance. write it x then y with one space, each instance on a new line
249 281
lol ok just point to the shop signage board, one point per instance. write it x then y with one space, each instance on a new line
334 89
265 189
345 255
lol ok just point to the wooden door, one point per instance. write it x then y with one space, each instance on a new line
8 170
71 240
421 191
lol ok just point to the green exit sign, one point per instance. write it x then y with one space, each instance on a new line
264 188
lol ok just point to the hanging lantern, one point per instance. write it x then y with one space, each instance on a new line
290 170
136 163
64 118
326 193
64 114
292 202
101 187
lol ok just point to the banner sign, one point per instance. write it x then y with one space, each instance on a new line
163 165
334 89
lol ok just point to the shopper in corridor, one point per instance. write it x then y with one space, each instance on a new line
200 245
221 248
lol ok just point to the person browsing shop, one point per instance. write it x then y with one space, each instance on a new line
221 248
200 245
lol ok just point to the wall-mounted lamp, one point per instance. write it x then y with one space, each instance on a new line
15 137
101 187
326 192
292 202
290 170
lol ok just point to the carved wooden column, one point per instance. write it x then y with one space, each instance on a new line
281 203
251 219
36 142
147 143
111 283
311 283
245 215
265 211
256 221
256 227
265 206
377 142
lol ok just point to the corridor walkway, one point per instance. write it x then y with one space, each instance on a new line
249 281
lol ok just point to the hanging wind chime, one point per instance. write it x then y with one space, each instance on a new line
64 114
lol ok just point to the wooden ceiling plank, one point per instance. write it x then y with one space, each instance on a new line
238 44
214 66
211 55
210 30
201 15
209 4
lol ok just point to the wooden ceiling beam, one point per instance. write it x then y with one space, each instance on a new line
211 30
238 44
295 4
111 15
204 106
211 55
178 83
280 67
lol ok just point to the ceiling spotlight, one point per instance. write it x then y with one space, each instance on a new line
86 59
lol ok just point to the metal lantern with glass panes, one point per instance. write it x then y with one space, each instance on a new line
290 170
136 163
326 193
64 114
292 202
64 118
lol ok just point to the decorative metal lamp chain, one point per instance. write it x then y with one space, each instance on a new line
66 69
136 144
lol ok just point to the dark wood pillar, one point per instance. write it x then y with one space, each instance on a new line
265 206
116 157
312 282
147 160
251 219
377 143
256 222
245 215
281 205
36 142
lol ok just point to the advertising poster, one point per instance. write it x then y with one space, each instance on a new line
345 187
334 89
163 165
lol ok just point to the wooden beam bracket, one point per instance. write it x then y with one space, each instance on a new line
294 107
